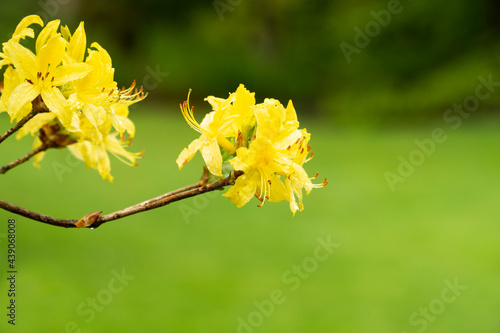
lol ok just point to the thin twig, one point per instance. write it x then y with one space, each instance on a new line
166 199
23 159
160 201
36 216
20 124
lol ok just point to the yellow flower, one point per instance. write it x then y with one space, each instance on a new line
262 141
262 166
44 73
272 165
213 133
80 93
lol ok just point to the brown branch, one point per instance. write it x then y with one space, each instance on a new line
160 201
20 124
166 199
36 216
23 159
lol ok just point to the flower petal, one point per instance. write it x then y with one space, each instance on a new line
243 189
91 113
23 59
34 124
212 156
116 147
278 190
46 33
77 44
244 99
188 153
51 54
38 157
22 29
56 103
66 73
11 79
20 96
122 124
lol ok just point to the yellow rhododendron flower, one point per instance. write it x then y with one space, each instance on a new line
74 91
276 166
270 148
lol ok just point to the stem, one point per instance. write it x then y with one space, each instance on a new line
196 189
23 159
19 124
36 216
160 201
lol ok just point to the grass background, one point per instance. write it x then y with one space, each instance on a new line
202 273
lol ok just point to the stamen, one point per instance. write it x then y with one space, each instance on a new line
187 112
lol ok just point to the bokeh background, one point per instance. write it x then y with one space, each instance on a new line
413 254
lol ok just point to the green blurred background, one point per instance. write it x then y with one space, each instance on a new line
203 265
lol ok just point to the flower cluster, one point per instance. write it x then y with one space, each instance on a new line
261 140
72 89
